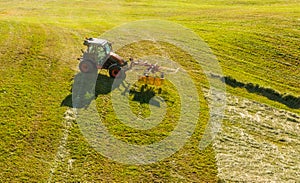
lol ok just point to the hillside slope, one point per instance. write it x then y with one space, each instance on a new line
254 41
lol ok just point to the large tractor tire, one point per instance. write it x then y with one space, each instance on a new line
87 66
114 71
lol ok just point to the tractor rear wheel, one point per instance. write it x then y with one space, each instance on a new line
87 66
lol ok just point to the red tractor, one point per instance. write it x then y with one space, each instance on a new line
99 55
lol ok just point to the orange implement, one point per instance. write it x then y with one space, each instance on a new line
156 81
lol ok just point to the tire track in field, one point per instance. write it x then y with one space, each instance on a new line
65 42
62 152
69 116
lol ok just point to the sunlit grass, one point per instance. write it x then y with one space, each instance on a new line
254 41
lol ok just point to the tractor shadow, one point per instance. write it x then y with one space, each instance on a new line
88 86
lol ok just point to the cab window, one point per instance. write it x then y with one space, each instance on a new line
107 48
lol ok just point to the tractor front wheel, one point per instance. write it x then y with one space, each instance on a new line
114 71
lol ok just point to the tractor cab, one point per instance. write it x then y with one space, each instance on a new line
98 50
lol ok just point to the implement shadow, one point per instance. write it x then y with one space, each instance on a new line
145 95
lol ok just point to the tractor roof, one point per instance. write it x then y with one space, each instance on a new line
95 41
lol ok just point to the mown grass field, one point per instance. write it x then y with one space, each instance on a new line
254 41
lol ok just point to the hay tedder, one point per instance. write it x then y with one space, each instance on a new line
99 55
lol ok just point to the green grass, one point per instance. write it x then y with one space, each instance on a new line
254 41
